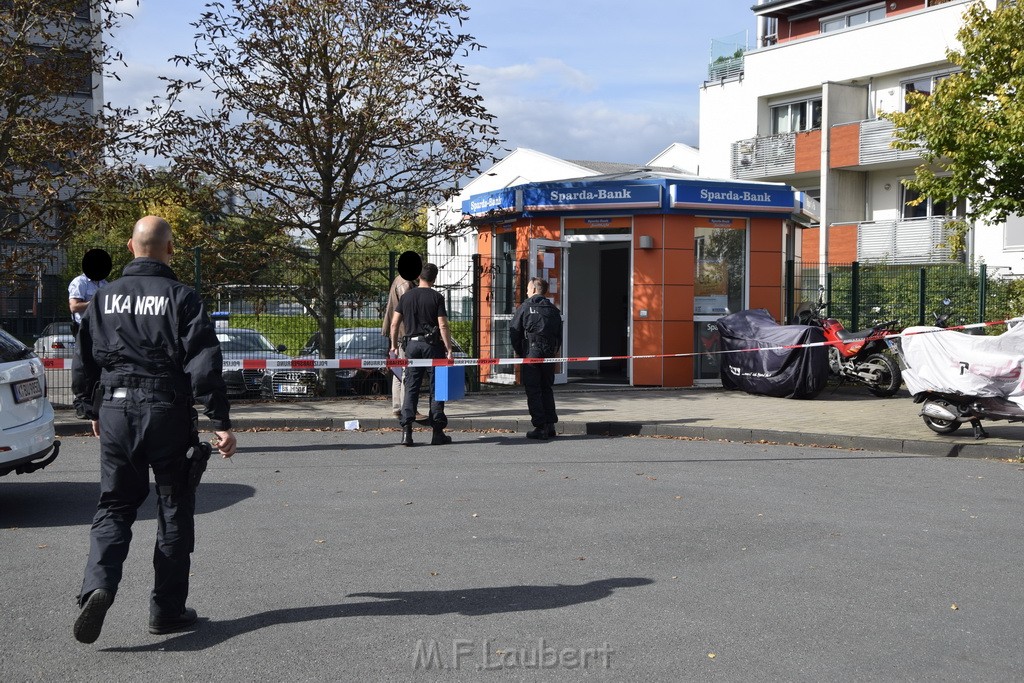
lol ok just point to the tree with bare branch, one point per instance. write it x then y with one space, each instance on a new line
327 112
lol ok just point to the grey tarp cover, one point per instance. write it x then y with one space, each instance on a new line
785 373
950 362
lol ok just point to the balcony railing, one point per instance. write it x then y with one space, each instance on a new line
755 158
725 68
913 240
876 144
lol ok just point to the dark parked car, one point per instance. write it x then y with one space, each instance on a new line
356 342
362 343
242 344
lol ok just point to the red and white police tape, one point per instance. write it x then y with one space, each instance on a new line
366 363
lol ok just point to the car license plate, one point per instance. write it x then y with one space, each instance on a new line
28 390
291 388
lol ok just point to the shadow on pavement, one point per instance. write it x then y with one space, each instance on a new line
469 602
60 503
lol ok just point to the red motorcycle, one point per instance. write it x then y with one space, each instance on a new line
859 356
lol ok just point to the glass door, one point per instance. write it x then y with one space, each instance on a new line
503 294
548 260
720 260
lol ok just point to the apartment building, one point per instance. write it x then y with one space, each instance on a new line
802 104
53 78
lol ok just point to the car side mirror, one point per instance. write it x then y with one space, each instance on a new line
281 348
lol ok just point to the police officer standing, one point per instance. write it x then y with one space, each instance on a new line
426 318
146 349
536 332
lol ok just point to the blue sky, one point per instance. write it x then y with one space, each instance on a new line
599 80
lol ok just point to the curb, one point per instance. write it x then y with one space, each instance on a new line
908 447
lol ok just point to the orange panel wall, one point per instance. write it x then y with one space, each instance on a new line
842 244
809 240
663 287
484 245
808 152
766 272
844 146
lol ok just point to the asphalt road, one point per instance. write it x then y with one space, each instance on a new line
342 556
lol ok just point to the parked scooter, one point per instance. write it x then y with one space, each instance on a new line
959 378
858 356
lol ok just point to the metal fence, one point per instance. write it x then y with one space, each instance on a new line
276 301
859 293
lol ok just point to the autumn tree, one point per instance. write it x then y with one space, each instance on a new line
230 250
326 112
56 141
970 131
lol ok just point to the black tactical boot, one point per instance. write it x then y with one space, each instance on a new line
440 438
538 433
549 429
407 435
90 619
160 625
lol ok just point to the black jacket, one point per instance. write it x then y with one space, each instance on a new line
536 329
148 330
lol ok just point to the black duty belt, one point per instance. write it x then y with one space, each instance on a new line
155 394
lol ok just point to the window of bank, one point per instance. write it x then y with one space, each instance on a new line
720 278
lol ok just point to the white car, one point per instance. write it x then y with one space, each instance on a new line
56 341
27 440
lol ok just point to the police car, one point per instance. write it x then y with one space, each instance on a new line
27 440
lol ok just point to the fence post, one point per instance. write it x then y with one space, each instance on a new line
197 255
922 288
982 291
474 323
524 271
788 306
392 265
855 295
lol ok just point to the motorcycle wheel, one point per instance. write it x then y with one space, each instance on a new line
941 426
891 379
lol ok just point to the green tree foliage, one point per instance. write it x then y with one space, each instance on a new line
970 131
328 111
54 146
232 251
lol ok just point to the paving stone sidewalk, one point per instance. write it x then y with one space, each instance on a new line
843 417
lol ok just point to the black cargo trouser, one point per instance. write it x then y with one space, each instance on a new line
413 380
539 380
142 429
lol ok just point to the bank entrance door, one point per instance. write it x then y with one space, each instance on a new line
549 261
720 285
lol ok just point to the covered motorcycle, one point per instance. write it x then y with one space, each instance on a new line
759 356
963 378
949 362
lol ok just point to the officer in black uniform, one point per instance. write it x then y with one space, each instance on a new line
146 349
536 332
426 319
